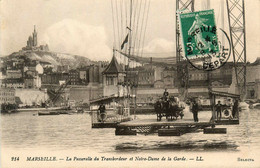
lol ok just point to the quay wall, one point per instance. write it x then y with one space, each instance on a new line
31 96
76 93
84 94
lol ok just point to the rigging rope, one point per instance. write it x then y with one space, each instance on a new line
121 35
137 25
135 13
113 22
145 27
139 41
117 24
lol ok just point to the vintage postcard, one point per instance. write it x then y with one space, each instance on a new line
129 83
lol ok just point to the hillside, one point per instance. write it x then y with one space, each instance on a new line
53 58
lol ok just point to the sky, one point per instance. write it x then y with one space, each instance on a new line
85 27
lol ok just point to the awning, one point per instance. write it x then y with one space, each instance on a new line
102 99
107 99
224 94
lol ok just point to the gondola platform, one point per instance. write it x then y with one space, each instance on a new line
174 127
111 122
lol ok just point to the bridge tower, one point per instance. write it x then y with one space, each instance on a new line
182 64
236 19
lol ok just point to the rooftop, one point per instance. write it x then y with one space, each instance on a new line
113 67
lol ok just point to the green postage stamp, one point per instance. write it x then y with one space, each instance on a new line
199 34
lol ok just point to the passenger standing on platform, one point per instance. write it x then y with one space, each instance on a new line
235 109
219 110
158 109
165 95
195 110
102 111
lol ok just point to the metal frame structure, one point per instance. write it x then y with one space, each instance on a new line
236 19
182 65
169 128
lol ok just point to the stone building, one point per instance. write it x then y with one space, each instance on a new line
7 96
32 40
32 43
63 68
146 78
168 76
84 75
12 83
74 77
32 82
54 78
17 73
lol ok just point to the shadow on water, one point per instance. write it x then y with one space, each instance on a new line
179 146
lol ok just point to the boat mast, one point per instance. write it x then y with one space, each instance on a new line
130 40
128 84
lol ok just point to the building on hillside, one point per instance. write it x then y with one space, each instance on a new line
32 82
223 74
32 43
169 74
13 73
54 78
168 81
94 74
46 64
84 76
7 96
252 80
39 68
159 84
43 47
132 77
221 77
34 67
32 40
74 77
12 83
102 66
158 73
157 77
146 78
63 68
30 73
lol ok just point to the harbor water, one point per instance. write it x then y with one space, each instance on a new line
25 131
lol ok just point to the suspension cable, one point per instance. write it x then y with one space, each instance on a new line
145 26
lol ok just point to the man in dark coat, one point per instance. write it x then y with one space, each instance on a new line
158 109
195 110
235 109
102 111
218 110
165 94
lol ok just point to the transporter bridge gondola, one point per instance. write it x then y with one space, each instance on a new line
186 125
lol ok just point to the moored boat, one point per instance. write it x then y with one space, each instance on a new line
40 113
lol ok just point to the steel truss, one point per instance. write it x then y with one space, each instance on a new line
182 65
236 19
